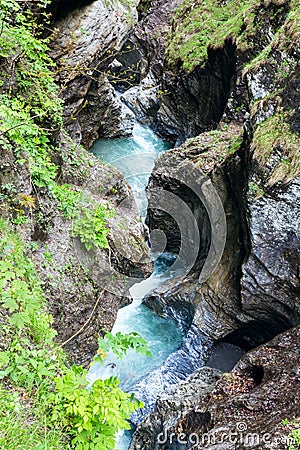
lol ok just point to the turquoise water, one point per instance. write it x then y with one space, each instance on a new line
135 158
162 335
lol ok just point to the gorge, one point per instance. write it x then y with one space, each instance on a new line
220 83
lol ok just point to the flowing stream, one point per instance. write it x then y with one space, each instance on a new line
174 355
135 157
162 335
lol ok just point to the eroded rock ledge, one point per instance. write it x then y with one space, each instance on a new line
244 410
84 41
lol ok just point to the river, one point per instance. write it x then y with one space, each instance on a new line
134 157
174 355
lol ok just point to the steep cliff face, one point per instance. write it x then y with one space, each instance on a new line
171 403
253 294
84 288
82 47
76 218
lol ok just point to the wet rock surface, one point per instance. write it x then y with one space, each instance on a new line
244 410
178 366
142 57
85 39
271 274
171 406
254 292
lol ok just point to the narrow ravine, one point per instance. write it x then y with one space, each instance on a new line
135 157
178 348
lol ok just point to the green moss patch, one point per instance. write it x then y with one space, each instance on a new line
274 140
210 23
213 147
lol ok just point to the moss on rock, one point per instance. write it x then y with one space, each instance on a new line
276 150
199 25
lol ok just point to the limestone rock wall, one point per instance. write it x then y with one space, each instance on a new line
244 410
82 45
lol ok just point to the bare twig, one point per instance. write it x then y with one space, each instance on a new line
21 124
85 323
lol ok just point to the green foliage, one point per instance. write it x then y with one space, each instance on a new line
25 138
21 293
90 415
209 23
255 189
235 144
28 366
42 389
29 95
91 226
32 75
93 415
28 101
119 343
68 199
214 147
285 38
17 434
273 136
294 436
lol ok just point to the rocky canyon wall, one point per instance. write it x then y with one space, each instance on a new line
252 160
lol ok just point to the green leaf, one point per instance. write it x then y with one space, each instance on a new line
4 358
9 302
20 319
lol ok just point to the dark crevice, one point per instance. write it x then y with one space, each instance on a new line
258 332
61 8
255 372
